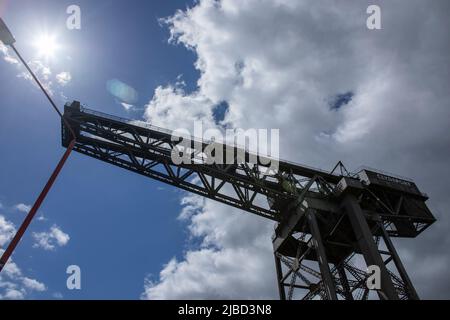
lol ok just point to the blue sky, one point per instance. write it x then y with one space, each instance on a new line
122 226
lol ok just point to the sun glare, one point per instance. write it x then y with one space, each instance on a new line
46 45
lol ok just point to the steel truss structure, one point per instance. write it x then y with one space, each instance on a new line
325 221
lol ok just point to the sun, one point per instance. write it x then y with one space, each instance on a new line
46 45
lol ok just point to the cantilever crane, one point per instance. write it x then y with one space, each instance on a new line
324 220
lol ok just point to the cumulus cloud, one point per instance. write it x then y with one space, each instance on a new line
127 106
13 294
7 230
64 78
42 70
13 284
231 261
51 239
33 284
277 64
172 108
22 207
7 55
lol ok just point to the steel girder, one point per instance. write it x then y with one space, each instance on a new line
147 151
316 222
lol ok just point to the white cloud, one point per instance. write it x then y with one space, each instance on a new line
230 262
42 70
3 48
63 78
7 230
58 295
13 294
11 269
13 284
172 108
127 106
277 63
33 284
23 207
49 240
42 218
11 60
6 55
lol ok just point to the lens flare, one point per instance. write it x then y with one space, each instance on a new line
122 91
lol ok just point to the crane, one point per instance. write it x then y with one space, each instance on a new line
324 221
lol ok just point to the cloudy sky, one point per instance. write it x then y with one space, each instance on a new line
334 88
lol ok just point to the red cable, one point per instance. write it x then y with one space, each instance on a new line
35 207
7 254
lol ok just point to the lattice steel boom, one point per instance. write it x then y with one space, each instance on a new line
329 226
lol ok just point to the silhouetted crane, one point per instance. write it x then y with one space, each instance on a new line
325 221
